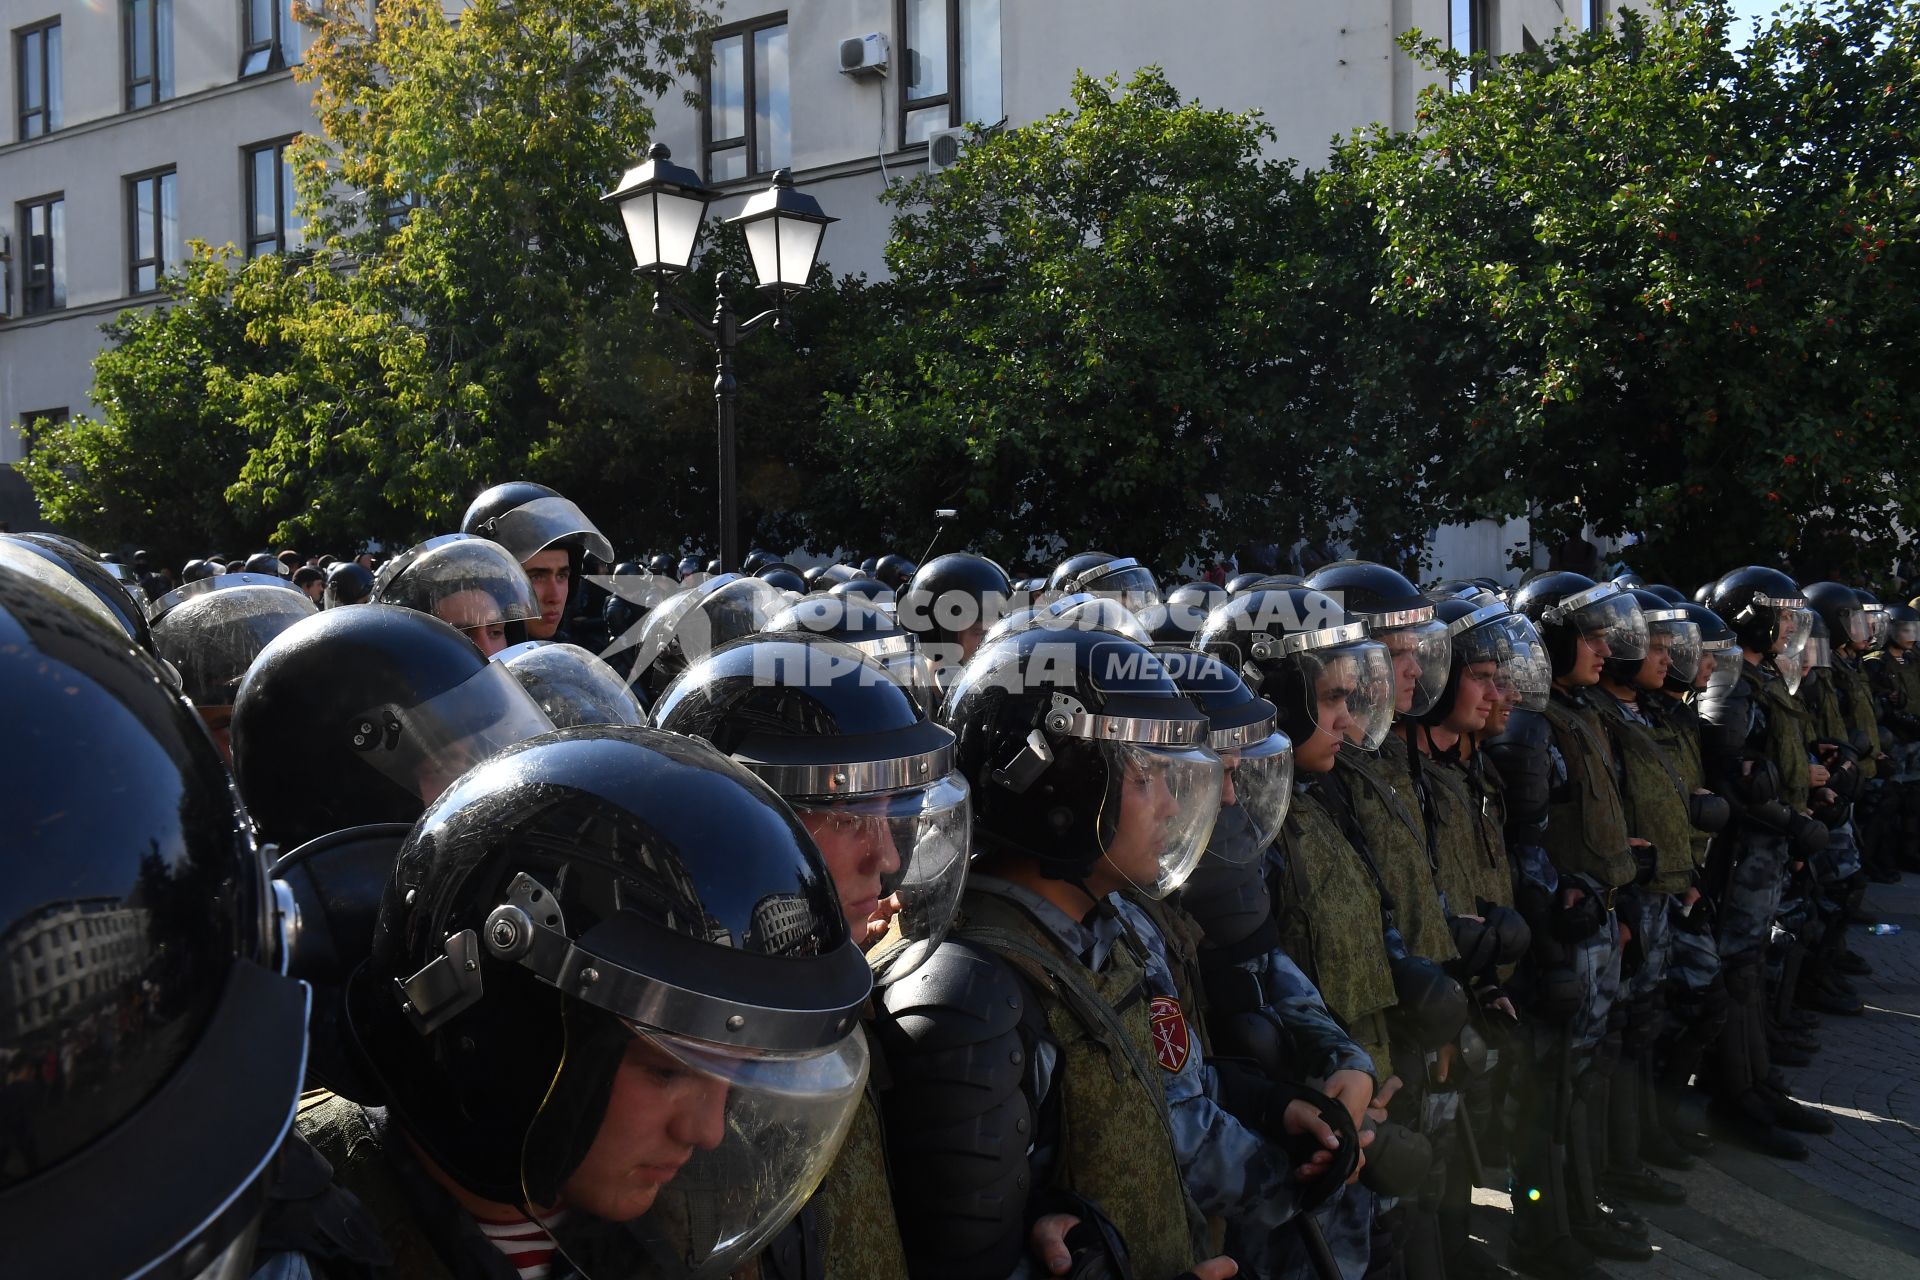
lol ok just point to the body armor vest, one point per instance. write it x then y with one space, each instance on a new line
859 1237
1116 1145
1654 796
1586 825
1329 912
1788 736
1467 840
1676 727
1856 706
1388 811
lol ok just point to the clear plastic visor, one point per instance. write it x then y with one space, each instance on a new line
1612 626
1680 640
1879 627
1905 633
1158 812
701 1155
899 864
1422 660
1818 653
1133 586
1792 631
532 527
914 670
1523 674
1254 797
212 642
571 685
1727 665
1853 626
1353 691
425 747
1792 668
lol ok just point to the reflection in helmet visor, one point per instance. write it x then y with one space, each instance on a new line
1523 673
1353 689
908 850
1728 663
572 685
1879 626
1263 791
534 526
1158 812
1613 626
1794 629
424 747
701 1152
1681 639
1431 647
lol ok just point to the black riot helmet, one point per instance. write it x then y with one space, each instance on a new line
80 566
266 564
1765 608
783 576
1286 641
1120 578
864 626
1673 595
896 571
1903 625
1845 616
1400 616
1668 627
473 583
348 582
1082 753
1243 730
357 716
1570 609
212 637
196 569
1879 624
596 908
528 518
871 590
661 564
756 560
1185 611
692 624
853 754
951 602
571 685
1720 655
141 955
1482 629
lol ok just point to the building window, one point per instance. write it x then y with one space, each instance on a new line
153 230
275 39
1468 33
272 225
34 424
1593 13
36 70
149 52
748 119
43 240
952 66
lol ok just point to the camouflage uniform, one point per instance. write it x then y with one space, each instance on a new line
1383 804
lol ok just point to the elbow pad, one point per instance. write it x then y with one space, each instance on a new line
1709 813
958 1122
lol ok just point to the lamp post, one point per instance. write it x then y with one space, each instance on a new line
663 206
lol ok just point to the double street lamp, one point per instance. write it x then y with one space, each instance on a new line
663 206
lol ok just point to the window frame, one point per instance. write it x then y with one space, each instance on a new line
24 211
159 261
159 86
748 142
48 110
1478 37
283 210
274 45
29 425
952 99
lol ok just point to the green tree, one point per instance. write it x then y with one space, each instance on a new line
1088 345
153 467
1675 281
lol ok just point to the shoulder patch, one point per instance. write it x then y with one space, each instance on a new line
1171 1044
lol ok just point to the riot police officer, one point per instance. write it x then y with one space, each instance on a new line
1026 1074
165 1037
548 535
213 629
950 603
473 583
610 1014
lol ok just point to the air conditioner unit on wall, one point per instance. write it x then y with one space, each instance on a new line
945 147
862 56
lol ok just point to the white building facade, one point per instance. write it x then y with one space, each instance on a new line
136 125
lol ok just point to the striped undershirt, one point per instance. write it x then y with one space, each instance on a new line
526 1245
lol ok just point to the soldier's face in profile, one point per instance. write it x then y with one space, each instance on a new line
1147 811
1333 718
659 1113
476 615
1473 698
860 852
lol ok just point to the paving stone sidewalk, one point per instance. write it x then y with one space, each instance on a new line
1852 1209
